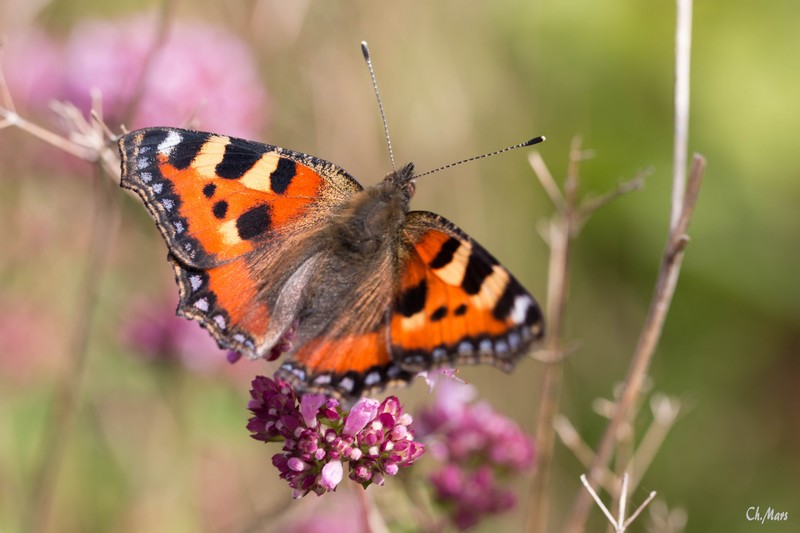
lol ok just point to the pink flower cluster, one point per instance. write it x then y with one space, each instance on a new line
480 451
194 71
319 437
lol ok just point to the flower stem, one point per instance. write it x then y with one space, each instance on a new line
61 418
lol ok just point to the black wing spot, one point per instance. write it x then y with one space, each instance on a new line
503 306
460 310
184 152
254 222
446 253
534 315
220 209
209 189
236 162
478 269
412 301
439 314
282 176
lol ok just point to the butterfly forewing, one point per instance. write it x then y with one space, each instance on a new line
217 201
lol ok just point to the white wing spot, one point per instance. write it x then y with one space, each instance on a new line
220 320
299 373
179 227
346 384
322 379
158 187
393 372
372 378
195 281
522 303
514 341
145 177
168 204
415 359
142 163
167 145
201 304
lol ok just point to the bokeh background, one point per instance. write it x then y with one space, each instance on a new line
158 441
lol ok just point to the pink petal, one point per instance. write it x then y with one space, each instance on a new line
331 475
360 415
309 406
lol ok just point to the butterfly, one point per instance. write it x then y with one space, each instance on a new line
278 251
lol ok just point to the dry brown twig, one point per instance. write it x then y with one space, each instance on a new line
570 216
621 522
90 140
665 411
684 200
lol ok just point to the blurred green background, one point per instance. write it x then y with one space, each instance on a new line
156 446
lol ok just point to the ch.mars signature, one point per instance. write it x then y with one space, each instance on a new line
754 514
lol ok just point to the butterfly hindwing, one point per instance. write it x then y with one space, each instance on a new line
224 300
450 302
344 349
347 366
221 204
456 304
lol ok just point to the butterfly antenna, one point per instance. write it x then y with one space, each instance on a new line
365 51
531 142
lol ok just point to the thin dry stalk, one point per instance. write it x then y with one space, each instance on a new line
582 451
684 199
559 239
569 217
620 523
64 405
88 144
87 141
11 118
651 333
683 56
665 412
165 19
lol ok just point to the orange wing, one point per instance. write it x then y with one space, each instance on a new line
451 303
350 366
219 202
456 304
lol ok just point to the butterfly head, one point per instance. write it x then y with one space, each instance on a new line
402 180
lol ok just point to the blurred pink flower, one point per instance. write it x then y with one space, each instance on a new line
480 451
33 67
155 333
199 72
30 343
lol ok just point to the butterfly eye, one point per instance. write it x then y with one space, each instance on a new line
410 187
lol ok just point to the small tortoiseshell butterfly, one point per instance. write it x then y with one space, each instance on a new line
276 250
